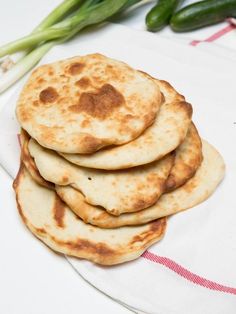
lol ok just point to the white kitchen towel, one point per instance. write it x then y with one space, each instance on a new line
192 270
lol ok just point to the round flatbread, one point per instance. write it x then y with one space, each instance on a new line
195 191
165 134
57 226
82 104
188 157
120 191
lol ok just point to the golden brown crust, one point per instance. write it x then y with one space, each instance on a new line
168 88
187 160
92 143
48 95
29 163
185 106
126 190
171 90
93 248
59 212
194 191
84 82
64 239
93 95
155 226
100 252
163 136
99 104
76 68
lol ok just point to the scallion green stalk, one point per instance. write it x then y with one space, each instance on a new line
62 10
91 12
32 40
67 28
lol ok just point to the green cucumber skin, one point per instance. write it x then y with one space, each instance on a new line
202 13
159 16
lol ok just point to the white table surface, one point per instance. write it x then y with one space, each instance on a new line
34 280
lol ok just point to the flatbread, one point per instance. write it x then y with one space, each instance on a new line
29 163
82 104
188 158
165 134
55 224
118 191
195 191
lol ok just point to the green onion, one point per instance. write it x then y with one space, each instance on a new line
48 34
58 13
62 10
88 14
32 40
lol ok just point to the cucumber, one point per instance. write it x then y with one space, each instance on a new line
202 13
159 16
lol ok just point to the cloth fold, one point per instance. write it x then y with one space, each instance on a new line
192 270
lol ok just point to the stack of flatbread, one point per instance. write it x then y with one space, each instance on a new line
107 153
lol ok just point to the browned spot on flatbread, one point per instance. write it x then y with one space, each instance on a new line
158 224
40 231
50 70
186 106
87 246
171 90
48 95
84 82
140 204
59 212
162 98
183 169
99 104
41 80
65 179
76 68
92 143
145 202
170 183
85 123
35 103
99 248
141 201
155 226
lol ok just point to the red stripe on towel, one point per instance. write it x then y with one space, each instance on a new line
183 272
215 36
